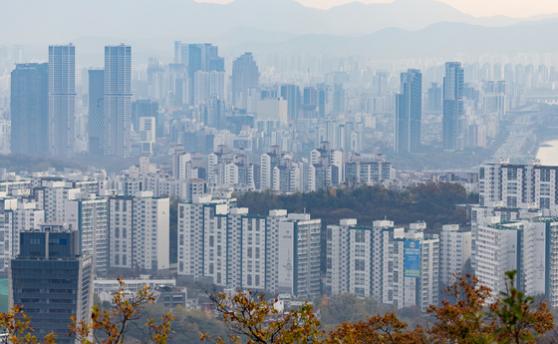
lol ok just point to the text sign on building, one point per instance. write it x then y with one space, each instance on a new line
411 262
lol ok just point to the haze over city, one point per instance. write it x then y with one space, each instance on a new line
512 8
278 171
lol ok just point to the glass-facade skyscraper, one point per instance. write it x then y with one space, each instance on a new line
52 281
29 109
452 105
96 110
117 100
61 99
409 112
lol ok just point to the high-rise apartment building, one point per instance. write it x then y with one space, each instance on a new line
61 100
396 265
452 106
139 232
29 109
497 250
298 256
409 112
117 100
89 217
455 253
522 186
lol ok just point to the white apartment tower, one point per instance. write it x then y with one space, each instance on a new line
455 252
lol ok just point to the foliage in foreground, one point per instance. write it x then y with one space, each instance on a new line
473 317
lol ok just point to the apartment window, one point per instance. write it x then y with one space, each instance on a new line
359 265
360 237
545 175
512 173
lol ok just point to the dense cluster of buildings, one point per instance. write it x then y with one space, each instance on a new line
65 235
90 227
120 110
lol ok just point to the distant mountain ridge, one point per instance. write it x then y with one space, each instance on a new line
437 40
32 20
402 28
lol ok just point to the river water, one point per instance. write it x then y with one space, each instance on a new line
548 153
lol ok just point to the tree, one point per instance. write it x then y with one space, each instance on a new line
380 329
337 309
518 319
110 326
464 321
250 317
16 325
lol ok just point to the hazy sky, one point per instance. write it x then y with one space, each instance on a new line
512 8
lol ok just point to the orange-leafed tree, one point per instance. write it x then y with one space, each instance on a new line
465 320
252 319
16 328
386 329
110 326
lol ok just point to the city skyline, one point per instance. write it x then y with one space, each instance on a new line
350 161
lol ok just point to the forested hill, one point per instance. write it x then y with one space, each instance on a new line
434 203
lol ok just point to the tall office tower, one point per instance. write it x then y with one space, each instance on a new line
143 108
434 99
494 99
408 112
52 281
205 71
61 99
298 256
139 232
453 109
245 77
338 101
455 252
291 93
96 110
89 217
117 100
310 100
29 109
322 100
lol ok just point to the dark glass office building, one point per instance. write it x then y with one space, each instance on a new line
51 281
